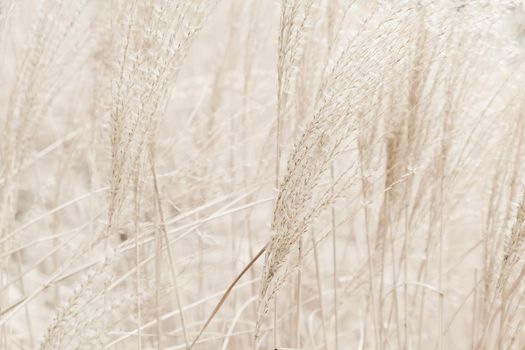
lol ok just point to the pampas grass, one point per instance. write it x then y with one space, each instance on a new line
233 174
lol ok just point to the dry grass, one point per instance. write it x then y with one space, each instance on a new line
306 174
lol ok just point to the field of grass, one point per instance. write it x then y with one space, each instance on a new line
261 174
